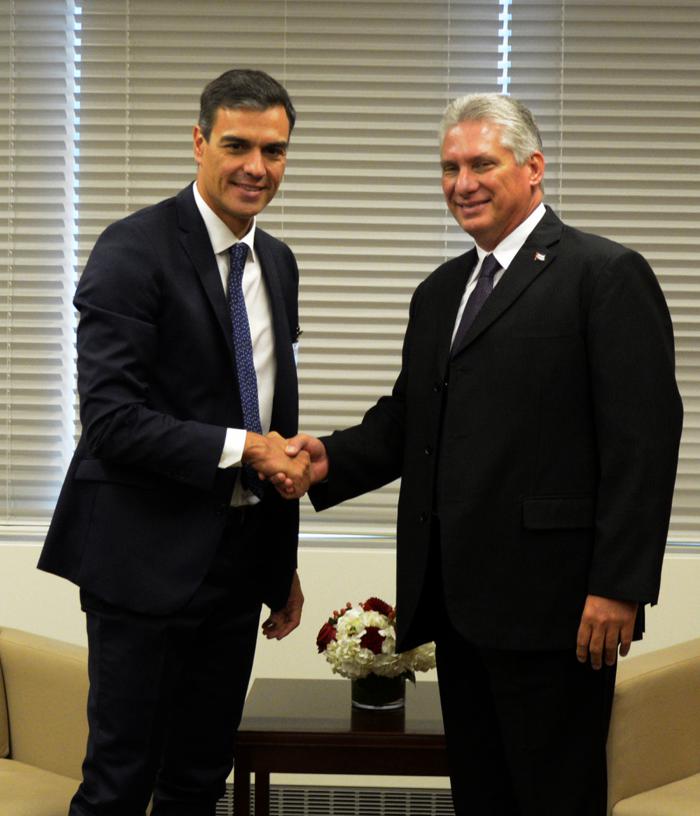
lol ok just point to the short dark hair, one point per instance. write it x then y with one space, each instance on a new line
242 88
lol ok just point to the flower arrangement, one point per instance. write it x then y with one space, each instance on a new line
361 640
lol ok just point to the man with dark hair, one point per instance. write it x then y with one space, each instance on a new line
535 424
188 321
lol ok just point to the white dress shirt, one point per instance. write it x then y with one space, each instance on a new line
504 254
257 302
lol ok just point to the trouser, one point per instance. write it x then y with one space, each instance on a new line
525 730
167 693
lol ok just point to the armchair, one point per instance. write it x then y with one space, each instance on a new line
43 726
654 739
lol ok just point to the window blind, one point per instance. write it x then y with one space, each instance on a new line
36 418
616 88
97 106
360 205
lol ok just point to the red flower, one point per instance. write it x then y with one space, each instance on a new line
372 640
377 605
325 636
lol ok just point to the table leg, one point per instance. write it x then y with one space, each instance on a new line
241 787
262 793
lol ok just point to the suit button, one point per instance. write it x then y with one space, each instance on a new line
423 518
437 387
428 451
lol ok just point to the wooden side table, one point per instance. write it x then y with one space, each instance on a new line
309 726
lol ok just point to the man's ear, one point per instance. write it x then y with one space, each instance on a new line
536 164
198 142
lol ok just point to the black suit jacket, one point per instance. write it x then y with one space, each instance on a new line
144 504
546 444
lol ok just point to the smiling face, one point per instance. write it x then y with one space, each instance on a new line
242 163
488 193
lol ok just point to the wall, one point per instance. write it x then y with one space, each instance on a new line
41 603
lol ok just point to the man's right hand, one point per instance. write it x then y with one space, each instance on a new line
302 445
267 455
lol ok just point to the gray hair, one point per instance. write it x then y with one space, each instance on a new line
520 133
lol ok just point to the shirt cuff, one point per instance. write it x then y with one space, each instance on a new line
234 443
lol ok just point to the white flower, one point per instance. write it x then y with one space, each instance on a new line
350 659
422 658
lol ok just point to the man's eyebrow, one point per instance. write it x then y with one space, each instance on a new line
282 145
232 138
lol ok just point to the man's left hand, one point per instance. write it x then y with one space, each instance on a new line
605 623
283 621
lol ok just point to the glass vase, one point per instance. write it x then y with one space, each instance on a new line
378 693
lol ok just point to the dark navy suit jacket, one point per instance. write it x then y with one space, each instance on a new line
144 504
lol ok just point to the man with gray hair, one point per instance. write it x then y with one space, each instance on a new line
535 424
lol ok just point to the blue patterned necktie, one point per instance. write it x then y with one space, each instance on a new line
479 295
245 367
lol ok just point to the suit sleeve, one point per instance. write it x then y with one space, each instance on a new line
119 298
638 418
369 455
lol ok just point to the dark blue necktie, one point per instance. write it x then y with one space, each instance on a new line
245 367
479 295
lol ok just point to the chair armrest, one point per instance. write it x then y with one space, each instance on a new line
654 734
46 687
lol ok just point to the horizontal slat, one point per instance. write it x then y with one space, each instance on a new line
36 331
618 111
621 96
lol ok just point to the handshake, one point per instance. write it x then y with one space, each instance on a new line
291 465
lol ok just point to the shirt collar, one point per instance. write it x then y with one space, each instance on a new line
511 244
220 235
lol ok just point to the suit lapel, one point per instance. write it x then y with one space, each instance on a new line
271 276
447 302
285 381
536 254
196 243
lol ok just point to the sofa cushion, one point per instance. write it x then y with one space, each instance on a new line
29 791
679 798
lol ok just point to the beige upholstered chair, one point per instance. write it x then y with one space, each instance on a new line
654 741
43 727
